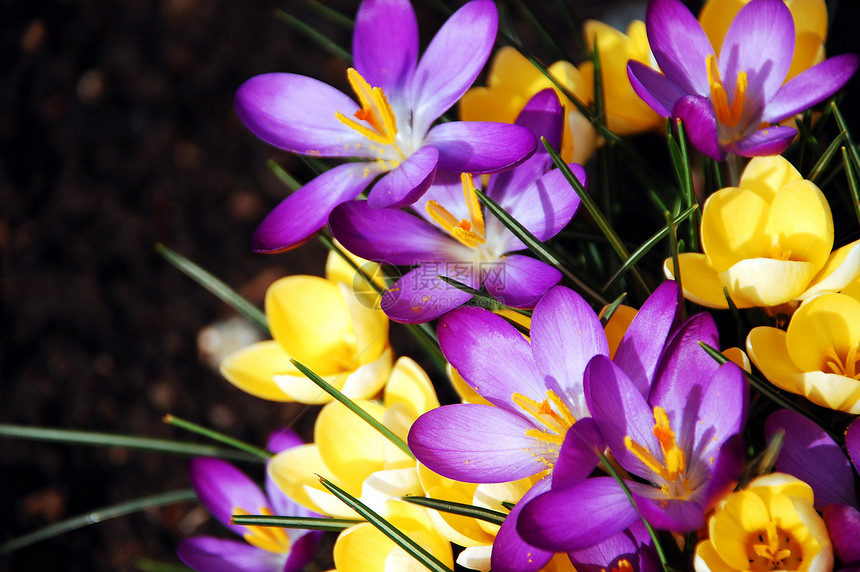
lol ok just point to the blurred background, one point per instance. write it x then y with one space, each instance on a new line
117 131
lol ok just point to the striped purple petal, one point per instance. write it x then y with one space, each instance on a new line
211 554
480 147
385 44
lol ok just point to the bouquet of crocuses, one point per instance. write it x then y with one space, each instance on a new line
568 255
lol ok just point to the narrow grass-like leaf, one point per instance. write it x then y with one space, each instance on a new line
95 439
808 141
544 37
330 14
686 180
658 547
458 508
773 394
215 286
216 436
395 534
308 523
352 406
599 100
487 302
98 515
610 310
824 161
536 246
321 39
763 463
852 174
595 213
283 176
676 265
563 8
852 148
646 247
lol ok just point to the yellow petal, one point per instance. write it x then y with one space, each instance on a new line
829 320
716 17
701 282
485 104
253 369
493 495
410 385
768 351
832 391
808 51
383 485
734 223
295 471
579 140
399 419
744 512
461 530
363 548
708 560
766 175
766 282
738 357
476 557
361 383
809 16
618 323
841 268
348 446
309 317
801 223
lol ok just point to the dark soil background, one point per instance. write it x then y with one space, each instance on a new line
117 131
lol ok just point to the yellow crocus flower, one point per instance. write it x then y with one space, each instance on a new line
767 242
817 356
325 326
513 80
770 525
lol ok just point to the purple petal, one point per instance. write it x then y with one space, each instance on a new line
217 555
684 359
727 470
593 511
480 147
655 89
760 41
297 113
642 344
633 545
390 235
519 281
475 444
811 455
811 87
385 44
405 184
680 46
608 391
543 116
452 62
843 524
578 454
544 207
491 355
510 552
303 550
764 142
420 296
283 439
566 334
852 442
697 113
306 211
663 512
221 487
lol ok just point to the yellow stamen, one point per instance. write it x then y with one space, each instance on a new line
471 232
848 367
556 418
727 114
673 468
375 110
772 550
269 538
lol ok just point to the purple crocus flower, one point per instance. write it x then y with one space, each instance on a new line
225 490
389 130
451 237
677 434
811 455
729 105
536 392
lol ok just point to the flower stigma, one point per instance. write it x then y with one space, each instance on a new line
673 469
554 415
472 232
269 538
728 114
847 367
773 549
375 118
